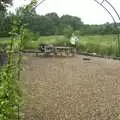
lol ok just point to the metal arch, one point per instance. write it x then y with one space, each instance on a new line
116 25
101 4
38 4
113 9
106 10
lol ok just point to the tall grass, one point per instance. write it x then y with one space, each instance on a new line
100 44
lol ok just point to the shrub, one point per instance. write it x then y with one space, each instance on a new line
29 37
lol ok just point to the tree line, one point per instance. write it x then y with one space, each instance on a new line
52 24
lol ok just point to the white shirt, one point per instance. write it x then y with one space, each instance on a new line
73 40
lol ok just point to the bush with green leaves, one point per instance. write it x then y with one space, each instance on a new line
10 93
29 37
68 30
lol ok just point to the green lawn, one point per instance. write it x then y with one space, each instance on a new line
105 45
105 40
4 40
101 44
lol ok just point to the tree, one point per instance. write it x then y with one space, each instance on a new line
21 12
73 21
55 21
5 26
68 31
4 19
54 17
4 4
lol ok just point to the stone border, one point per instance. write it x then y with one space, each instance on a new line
100 56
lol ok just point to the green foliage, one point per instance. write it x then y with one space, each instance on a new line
100 44
72 21
10 97
51 23
28 37
68 30
10 94
4 3
5 25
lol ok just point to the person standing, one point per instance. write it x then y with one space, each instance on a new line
74 41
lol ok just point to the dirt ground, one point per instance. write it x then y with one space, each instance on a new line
71 88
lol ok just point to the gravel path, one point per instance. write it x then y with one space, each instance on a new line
71 88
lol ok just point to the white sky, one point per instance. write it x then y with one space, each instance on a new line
88 10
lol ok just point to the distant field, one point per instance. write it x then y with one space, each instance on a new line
101 44
4 40
104 45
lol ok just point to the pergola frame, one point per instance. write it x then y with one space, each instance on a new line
113 18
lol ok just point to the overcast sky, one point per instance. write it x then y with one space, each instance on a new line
88 10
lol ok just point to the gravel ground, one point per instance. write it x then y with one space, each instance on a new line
71 88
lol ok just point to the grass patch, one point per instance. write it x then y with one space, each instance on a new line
103 45
100 44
